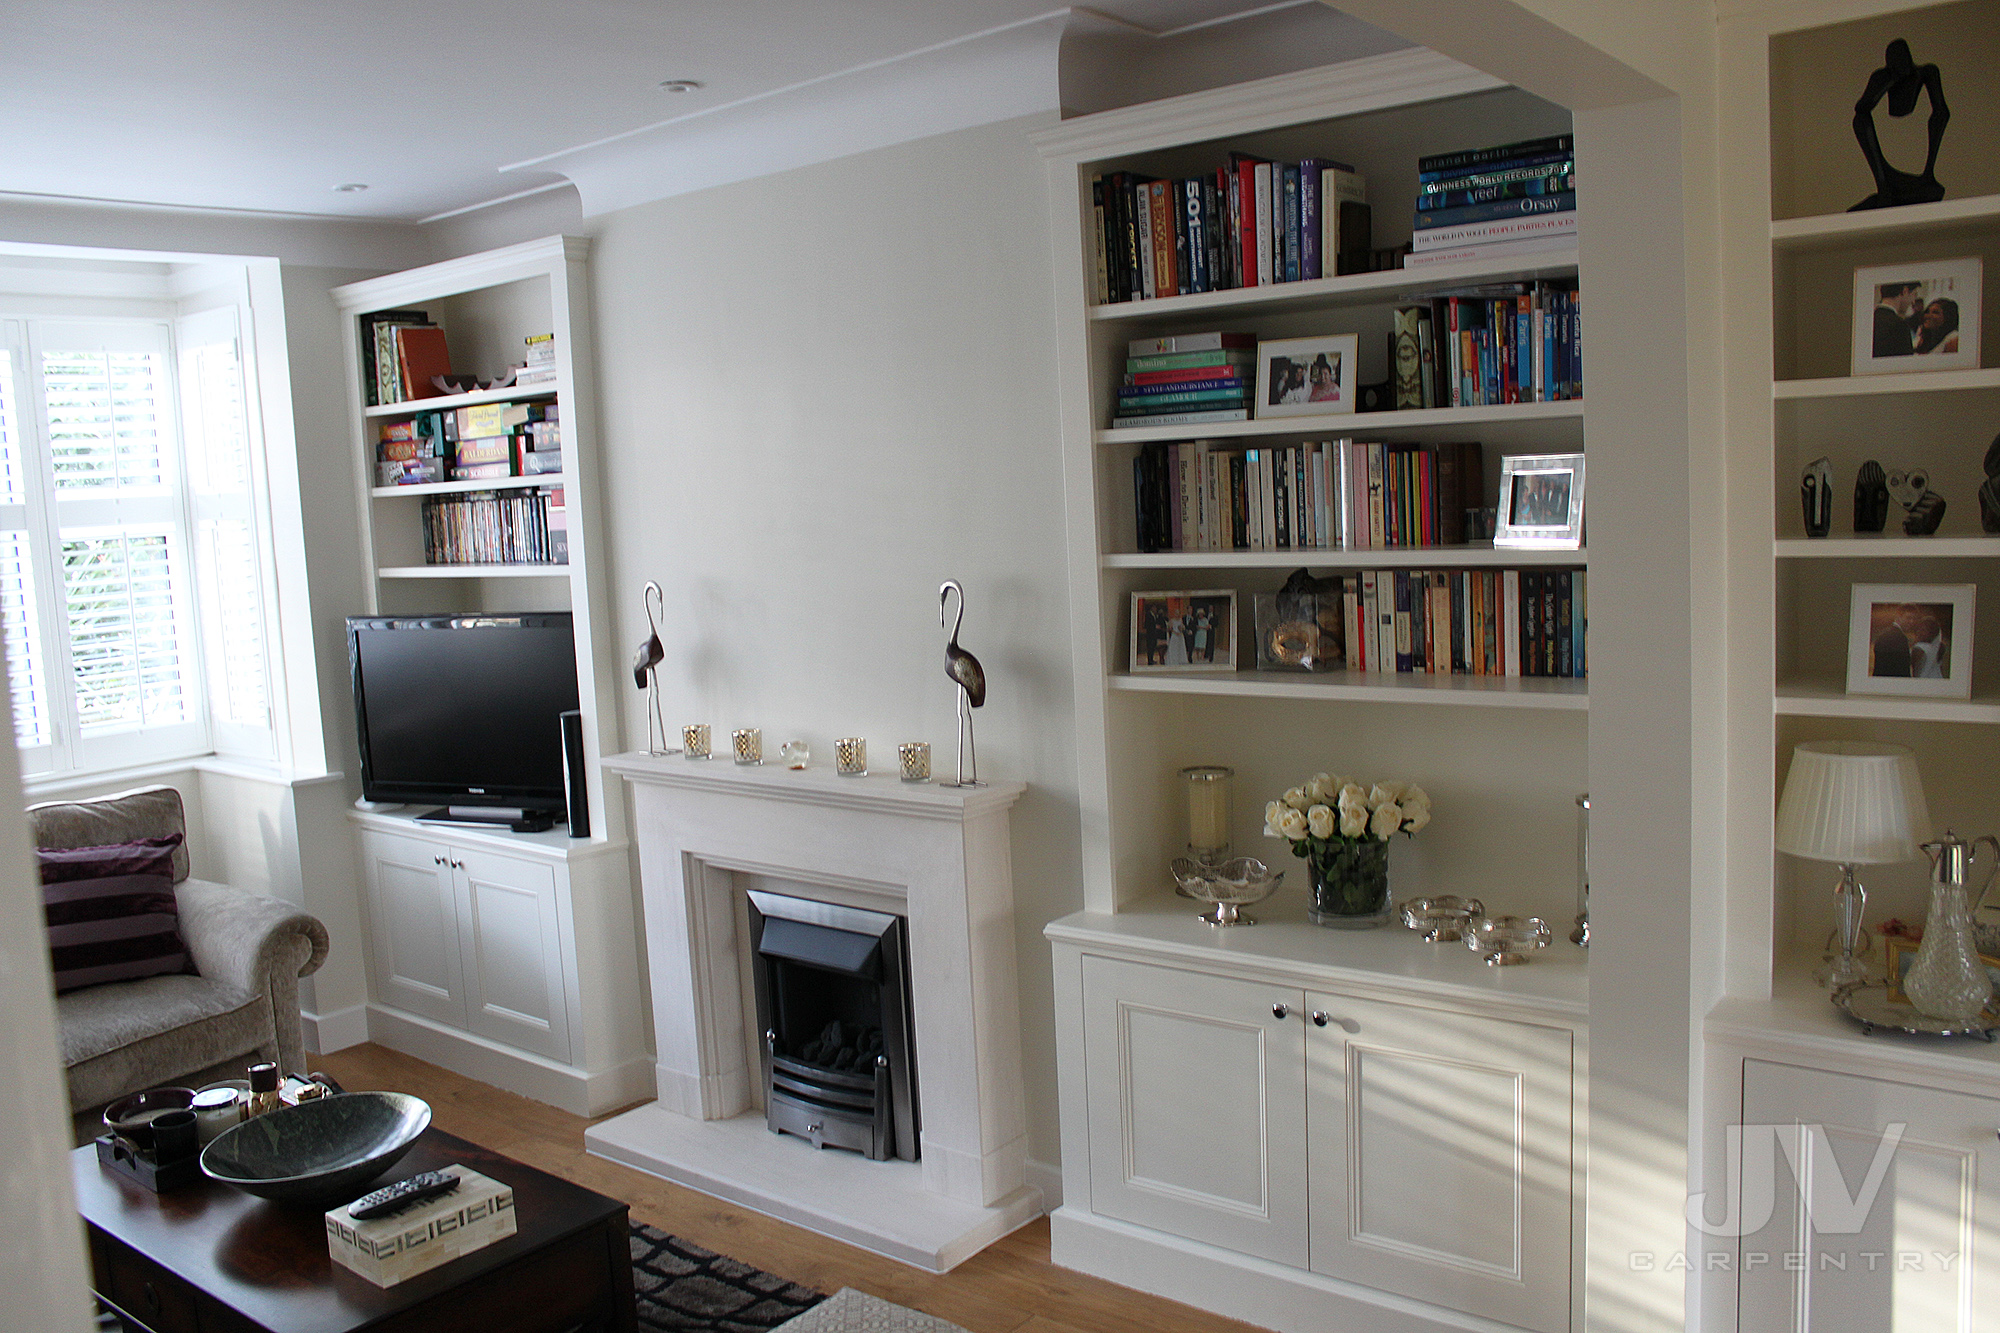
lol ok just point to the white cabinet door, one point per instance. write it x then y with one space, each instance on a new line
413 925
1196 1106
1440 1157
1890 1220
510 945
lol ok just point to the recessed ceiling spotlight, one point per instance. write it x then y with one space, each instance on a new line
681 85
352 187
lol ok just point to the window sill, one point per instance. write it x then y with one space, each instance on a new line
55 787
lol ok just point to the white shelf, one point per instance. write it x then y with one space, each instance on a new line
462 487
1885 546
1367 687
1389 286
473 572
1478 555
451 400
1828 699
1851 386
1359 425
1833 228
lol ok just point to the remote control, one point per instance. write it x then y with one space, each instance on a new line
403 1194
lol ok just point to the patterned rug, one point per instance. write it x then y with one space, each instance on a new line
683 1288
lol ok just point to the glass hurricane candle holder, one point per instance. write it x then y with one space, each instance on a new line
1208 787
850 757
914 759
748 742
694 740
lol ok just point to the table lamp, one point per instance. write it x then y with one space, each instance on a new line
1852 803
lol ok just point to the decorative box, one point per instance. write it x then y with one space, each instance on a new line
386 1250
1299 631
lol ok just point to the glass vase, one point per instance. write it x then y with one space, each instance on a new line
1947 980
1350 885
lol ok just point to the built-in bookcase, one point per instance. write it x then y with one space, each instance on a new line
1504 758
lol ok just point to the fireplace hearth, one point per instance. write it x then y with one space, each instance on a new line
833 1005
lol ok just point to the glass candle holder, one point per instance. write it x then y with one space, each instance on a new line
694 740
850 757
914 758
1208 787
748 743
796 754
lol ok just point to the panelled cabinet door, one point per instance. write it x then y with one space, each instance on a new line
1440 1157
413 923
1883 1205
1196 1106
509 938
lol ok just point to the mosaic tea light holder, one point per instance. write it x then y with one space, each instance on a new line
914 760
748 743
694 740
850 756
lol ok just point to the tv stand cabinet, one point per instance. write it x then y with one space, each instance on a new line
509 957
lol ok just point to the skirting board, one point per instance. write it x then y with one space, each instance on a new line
879 1206
326 1033
1239 1286
560 1086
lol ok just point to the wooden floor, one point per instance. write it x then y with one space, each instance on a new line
1009 1286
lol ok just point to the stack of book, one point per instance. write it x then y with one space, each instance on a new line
1519 342
400 351
524 527
1248 223
540 367
1188 379
1517 198
1467 622
471 444
1346 495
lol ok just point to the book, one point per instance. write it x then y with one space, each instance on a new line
376 384
420 354
1202 418
1563 240
1408 359
1498 229
1472 158
1190 342
1534 205
1431 199
1354 237
1499 171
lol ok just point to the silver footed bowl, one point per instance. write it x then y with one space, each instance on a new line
318 1152
1441 920
1228 886
1506 940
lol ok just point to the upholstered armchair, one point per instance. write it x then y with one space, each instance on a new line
249 950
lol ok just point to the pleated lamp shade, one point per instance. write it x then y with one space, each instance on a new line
1853 803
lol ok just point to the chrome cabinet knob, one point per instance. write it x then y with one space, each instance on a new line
1280 1010
1321 1018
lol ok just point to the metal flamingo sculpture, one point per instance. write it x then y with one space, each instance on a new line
646 669
968 675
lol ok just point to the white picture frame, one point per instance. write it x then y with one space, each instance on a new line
1541 502
1184 631
1306 377
1911 639
1938 301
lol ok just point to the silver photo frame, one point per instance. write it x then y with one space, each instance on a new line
1541 502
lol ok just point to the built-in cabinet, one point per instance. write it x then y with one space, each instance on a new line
509 957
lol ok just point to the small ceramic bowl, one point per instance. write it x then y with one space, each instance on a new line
1506 940
1228 887
1441 920
132 1117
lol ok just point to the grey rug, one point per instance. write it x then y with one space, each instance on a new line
683 1288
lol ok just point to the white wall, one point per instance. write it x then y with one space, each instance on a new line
825 392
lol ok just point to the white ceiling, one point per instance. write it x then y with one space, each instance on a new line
268 105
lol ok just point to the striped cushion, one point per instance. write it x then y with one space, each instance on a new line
111 912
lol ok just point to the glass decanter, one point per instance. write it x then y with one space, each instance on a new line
1947 980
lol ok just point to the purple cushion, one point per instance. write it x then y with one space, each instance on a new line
111 912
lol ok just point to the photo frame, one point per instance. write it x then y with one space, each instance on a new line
1897 955
1917 317
1541 502
1911 639
1306 377
1184 631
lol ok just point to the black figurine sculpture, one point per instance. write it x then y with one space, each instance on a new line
1871 497
646 669
970 677
1989 490
1900 80
1816 497
1923 508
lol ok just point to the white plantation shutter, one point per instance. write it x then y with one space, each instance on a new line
20 632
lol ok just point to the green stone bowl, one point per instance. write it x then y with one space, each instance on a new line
318 1152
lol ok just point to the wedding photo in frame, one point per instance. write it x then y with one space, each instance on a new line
1916 317
1541 502
1305 377
1184 631
1910 639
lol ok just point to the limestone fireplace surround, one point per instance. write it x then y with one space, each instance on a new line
937 856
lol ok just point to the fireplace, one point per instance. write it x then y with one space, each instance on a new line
833 1005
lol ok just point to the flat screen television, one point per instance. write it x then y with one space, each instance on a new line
464 711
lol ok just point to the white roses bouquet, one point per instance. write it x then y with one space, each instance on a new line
1341 829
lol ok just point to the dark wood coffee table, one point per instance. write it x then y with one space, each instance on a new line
214 1259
